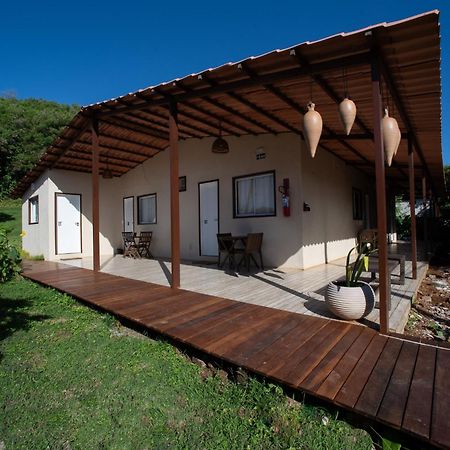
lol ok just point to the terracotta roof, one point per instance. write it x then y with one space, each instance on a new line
268 94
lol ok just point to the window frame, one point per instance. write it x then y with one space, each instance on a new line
235 197
30 222
153 194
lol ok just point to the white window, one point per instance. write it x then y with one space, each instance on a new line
33 210
147 209
254 195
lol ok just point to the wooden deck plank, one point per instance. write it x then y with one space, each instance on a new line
386 378
417 418
440 424
351 390
393 405
314 379
337 377
371 396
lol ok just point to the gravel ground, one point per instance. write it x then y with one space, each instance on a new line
430 314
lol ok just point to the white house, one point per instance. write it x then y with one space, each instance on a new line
154 149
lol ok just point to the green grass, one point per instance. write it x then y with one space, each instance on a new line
71 377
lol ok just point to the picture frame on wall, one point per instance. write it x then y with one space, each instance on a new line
182 184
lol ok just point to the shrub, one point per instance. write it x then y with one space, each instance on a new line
9 258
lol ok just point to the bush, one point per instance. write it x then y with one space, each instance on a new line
9 259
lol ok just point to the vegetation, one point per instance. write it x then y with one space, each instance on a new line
27 128
353 270
71 377
9 259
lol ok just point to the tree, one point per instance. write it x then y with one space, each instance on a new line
27 129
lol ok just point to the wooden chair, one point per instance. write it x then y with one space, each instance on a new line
130 247
368 236
145 240
225 247
253 246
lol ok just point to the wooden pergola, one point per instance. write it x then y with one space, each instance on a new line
395 65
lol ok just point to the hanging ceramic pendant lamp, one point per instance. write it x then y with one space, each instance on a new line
389 127
347 108
399 137
220 145
312 128
347 113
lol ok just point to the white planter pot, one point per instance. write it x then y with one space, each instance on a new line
350 303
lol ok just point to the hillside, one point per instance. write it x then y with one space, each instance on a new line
27 128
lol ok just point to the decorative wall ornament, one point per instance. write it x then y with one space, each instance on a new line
312 128
347 113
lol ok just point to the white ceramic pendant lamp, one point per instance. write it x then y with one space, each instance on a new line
312 128
391 136
347 113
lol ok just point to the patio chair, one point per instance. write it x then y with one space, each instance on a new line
252 247
129 245
145 240
225 247
368 236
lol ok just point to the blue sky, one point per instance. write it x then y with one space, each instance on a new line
86 51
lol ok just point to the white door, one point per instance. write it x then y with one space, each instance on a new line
128 214
68 223
209 217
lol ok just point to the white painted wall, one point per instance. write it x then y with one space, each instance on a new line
302 240
329 230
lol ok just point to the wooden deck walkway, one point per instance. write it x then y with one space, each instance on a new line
403 384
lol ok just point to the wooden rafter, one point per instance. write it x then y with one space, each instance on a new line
233 86
219 118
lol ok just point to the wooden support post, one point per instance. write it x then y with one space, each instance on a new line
95 196
381 200
425 214
174 196
412 207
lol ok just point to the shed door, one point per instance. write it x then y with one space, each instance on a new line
128 214
68 223
209 217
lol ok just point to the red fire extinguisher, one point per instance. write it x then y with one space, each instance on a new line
285 201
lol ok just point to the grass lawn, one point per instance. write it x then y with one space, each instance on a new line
71 377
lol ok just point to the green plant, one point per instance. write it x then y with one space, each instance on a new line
354 269
9 258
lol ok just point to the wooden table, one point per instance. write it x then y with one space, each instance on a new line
233 242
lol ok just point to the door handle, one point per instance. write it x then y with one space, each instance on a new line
205 221
77 224
59 224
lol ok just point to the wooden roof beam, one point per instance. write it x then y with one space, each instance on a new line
351 60
123 150
78 134
323 84
393 90
182 123
268 115
301 110
104 154
208 113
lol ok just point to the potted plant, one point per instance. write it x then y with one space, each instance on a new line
352 299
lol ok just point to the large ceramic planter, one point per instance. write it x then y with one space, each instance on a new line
350 303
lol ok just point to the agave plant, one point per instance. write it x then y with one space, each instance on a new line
353 270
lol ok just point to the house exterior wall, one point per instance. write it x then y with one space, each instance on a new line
329 230
40 239
37 236
304 239
199 164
